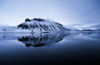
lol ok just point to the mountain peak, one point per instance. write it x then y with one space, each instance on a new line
34 19
43 25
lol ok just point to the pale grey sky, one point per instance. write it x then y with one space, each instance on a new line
14 12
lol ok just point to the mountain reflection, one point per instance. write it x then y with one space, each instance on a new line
45 39
42 39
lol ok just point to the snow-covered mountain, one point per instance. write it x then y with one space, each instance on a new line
41 25
84 27
95 27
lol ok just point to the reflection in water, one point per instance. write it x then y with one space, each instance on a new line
41 39
88 32
36 39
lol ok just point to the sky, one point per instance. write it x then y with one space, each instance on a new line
66 12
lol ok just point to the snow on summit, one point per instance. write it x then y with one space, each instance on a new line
41 25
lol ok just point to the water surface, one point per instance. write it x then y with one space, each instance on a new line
46 48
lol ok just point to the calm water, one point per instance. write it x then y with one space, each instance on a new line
45 48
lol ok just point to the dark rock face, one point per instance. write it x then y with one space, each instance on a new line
23 26
59 24
38 19
27 20
20 26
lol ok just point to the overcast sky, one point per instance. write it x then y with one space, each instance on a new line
14 12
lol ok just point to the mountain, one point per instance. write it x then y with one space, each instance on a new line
96 27
41 25
7 29
35 25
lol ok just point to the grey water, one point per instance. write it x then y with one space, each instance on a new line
46 48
